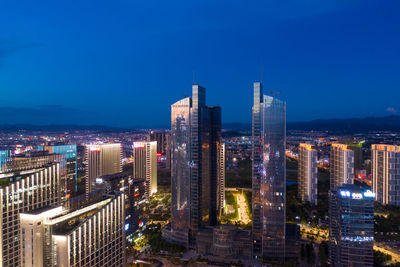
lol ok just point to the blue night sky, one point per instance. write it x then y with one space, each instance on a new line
124 62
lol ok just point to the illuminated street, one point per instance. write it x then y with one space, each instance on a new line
381 248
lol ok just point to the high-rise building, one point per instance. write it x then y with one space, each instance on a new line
92 235
102 159
269 175
161 139
24 190
145 165
341 165
195 149
308 168
221 179
351 220
134 190
386 174
71 155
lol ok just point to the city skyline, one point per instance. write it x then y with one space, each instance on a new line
317 54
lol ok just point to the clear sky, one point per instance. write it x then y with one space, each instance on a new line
124 62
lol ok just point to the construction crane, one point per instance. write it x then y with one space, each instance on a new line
274 93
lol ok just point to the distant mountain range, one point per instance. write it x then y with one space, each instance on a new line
58 128
388 123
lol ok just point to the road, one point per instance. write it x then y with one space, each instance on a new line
395 255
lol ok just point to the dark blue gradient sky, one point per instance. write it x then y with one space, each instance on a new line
123 63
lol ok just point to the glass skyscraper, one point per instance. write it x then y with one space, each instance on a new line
195 148
269 175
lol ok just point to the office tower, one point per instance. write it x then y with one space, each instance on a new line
308 168
351 220
221 179
4 154
71 156
341 165
195 146
269 175
134 190
102 159
145 165
92 235
385 174
161 139
22 190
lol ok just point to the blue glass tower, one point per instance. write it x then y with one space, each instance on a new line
269 175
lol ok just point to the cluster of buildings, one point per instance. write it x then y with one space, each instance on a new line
351 213
197 180
46 223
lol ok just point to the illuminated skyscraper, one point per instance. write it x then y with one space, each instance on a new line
92 235
145 165
70 155
24 189
351 217
102 159
269 175
308 168
195 148
386 174
342 166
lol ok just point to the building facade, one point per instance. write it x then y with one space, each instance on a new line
386 174
92 235
134 190
308 170
269 175
341 166
161 139
71 166
4 154
195 148
22 191
102 159
145 165
221 180
351 219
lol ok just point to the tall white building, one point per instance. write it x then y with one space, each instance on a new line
308 169
92 235
102 159
386 174
23 191
145 165
341 165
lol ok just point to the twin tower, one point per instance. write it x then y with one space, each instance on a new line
196 171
